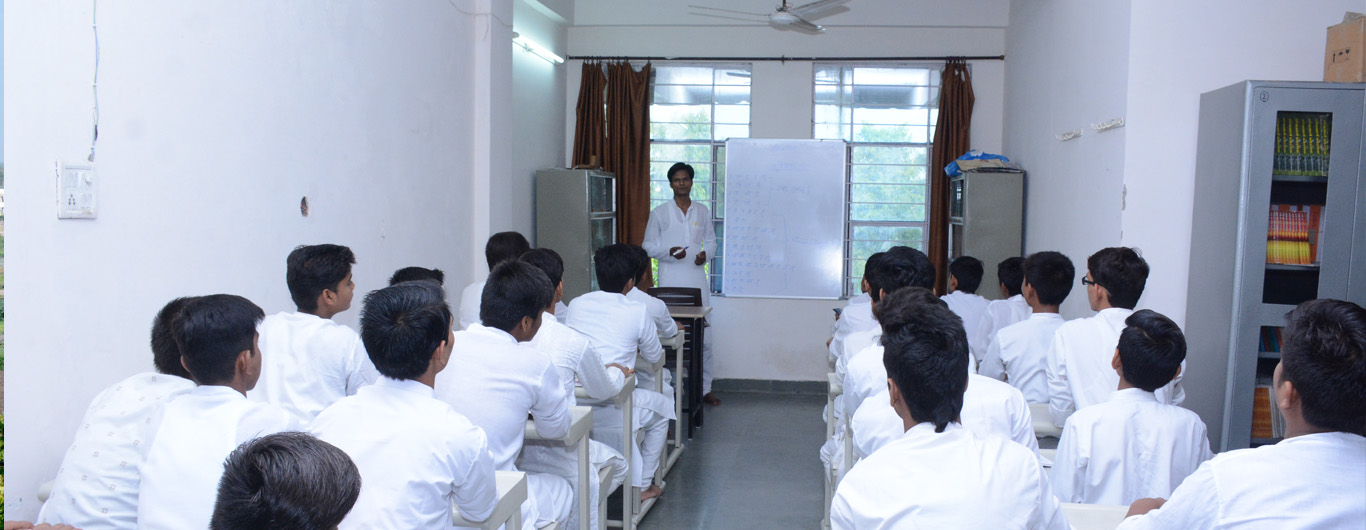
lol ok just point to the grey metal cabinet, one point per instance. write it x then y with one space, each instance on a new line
576 214
1278 219
986 221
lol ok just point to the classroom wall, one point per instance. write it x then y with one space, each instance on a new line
215 119
774 338
537 116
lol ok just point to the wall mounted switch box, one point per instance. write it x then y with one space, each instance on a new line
75 191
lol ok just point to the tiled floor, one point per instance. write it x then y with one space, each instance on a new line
755 464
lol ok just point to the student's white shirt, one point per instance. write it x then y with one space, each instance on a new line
575 359
496 381
998 314
1079 369
470 299
855 343
953 479
97 484
969 307
856 316
669 227
1128 448
864 376
415 454
990 408
308 363
658 310
1310 481
616 326
1019 355
183 462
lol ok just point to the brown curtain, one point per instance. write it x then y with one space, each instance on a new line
591 124
950 142
627 152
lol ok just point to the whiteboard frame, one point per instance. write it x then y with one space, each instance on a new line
844 218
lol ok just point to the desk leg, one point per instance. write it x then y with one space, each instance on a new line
584 470
700 325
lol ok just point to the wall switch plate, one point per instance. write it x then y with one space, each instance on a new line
75 191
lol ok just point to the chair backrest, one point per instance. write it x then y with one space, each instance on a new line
678 296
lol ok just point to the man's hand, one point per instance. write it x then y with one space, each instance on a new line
625 372
1142 506
678 252
701 258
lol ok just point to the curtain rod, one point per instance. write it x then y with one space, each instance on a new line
785 58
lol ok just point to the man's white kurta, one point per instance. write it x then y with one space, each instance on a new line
998 314
184 459
967 306
575 360
1079 369
953 479
658 310
990 408
669 227
1310 481
1128 448
470 299
1019 355
856 316
415 454
97 484
309 363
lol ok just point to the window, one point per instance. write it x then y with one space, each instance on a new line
887 114
694 109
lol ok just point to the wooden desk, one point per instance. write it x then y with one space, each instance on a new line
695 317
1043 421
577 437
511 494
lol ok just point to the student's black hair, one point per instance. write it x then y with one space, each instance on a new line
968 270
285 481
1051 275
505 246
1122 272
514 290
874 261
928 362
211 331
614 266
549 262
165 352
896 312
680 167
1151 348
401 325
1324 356
1010 272
642 262
311 269
412 274
900 267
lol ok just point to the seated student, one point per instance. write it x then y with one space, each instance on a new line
573 359
496 378
410 480
1078 371
1019 355
285 481
617 328
965 275
938 474
1001 313
1132 446
857 315
98 492
182 462
990 407
659 311
501 247
413 274
310 360
1314 477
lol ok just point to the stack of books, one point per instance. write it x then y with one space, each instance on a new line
1293 236
1267 422
1302 144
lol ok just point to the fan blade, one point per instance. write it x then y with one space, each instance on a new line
815 9
804 24
729 10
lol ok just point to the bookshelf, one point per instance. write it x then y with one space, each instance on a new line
1279 218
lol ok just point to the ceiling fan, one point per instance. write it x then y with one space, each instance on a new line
787 15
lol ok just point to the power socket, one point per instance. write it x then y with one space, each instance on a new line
75 191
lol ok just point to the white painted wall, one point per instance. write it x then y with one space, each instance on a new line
538 117
215 119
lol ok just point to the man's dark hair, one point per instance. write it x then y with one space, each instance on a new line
896 312
413 274
505 246
211 331
165 352
1324 356
900 267
642 262
679 167
311 269
1151 349
614 266
514 290
928 362
1010 272
285 481
1122 272
1051 275
874 261
968 271
401 325
549 262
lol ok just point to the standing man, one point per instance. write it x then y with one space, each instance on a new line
681 236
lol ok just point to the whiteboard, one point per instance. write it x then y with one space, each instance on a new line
784 219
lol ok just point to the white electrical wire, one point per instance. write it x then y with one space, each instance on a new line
95 83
